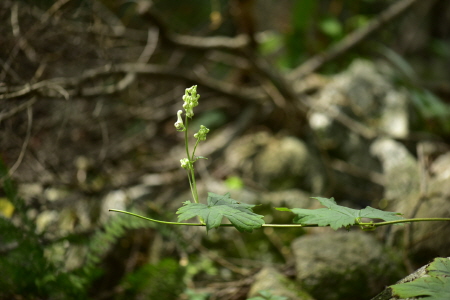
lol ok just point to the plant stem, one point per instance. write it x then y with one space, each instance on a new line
403 221
194 184
191 175
156 221
195 148
286 225
202 224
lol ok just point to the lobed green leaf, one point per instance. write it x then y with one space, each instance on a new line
240 214
435 287
337 216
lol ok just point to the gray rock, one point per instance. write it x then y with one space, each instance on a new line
269 279
364 93
276 162
343 265
404 195
400 169
431 239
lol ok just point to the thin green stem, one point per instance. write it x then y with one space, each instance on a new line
286 225
403 221
194 186
154 220
202 224
195 148
190 173
190 184
186 122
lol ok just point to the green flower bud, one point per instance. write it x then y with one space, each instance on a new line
201 134
185 164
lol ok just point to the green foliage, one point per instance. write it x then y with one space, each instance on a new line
338 216
331 27
31 272
432 109
104 238
267 295
149 283
193 295
26 270
435 287
234 183
240 214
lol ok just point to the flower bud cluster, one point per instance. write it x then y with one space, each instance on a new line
190 99
201 134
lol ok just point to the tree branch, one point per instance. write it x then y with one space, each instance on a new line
353 39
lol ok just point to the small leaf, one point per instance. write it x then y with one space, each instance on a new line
200 157
282 208
337 216
240 214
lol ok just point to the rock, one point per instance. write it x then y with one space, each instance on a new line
343 265
362 92
276 162
282 163
404 195
269 279
430 239
400 169
352 109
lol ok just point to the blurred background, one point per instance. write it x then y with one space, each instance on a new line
329 98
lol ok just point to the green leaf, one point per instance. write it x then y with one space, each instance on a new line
373 213
439 267
435 287
337 216
240 214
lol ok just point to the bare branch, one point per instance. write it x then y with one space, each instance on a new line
353 39
73 85
17 109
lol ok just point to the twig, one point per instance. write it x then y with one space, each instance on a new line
353 39
22 41
249 95
17 109
219 42
25 143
